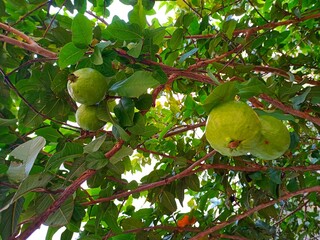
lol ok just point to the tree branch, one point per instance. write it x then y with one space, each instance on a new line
290 110
29 45
190 170
253 210
64 195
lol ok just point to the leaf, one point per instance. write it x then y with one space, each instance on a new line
122 31
7 122
135 49
298 100
229 27
62 216
221 94
131 223
69 151
69 55
124 236
137 15
123 152
251 88
27 153
275 175
176 39
81 31
188 54
111 215
167 201
95 144
125 112
96 160
135 85
28 184
193 182
49 133
9 219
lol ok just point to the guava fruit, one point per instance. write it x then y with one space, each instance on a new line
233 128
275 139
86 117
87 86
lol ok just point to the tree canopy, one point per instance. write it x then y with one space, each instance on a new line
150 172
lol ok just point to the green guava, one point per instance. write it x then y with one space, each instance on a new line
275 139
233 128
87 86
86 117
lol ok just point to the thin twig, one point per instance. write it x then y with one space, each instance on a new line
253 210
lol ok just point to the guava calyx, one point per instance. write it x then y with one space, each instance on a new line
233 128
87 86
87 117
275 139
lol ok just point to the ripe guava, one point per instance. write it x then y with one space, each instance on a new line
275 139
233 128
87 86
86 117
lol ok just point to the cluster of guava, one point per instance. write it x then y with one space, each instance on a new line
234 129
88 87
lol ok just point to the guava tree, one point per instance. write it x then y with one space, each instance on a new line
150 172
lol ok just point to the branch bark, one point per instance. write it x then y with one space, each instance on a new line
290 110
63 196
253 210
29 44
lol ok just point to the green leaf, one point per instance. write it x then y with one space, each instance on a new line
28 184
111 216
125 112
62 216
49 133
275 175
176 39
81 31
69 55
251 88
95 144
135 85
119 155
135 49
193 182
221 94
26 154
69 151
122 31
188 54
168 202
9 219
137 15
7 122
124 236
131 223
229 27
298 100
96 160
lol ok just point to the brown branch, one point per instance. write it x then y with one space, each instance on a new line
56 205
253 210
185 128
29 44
290 110
64 195
271 25
190 170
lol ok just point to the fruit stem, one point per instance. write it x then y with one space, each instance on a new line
72 77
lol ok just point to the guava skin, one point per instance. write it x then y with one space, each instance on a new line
87 86
275 139
86 117
233 128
